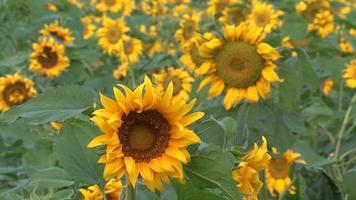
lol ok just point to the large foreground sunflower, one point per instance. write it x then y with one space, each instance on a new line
350 74
61 34
113 190
182 81
145 133
246 173
15 90
240 64
112 34
277 172
48 58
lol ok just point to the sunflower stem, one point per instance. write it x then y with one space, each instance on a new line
343 126
130 192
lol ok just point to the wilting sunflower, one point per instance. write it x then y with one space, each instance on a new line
61 34
113 190
188 26
239 64
246 173
154 8
131 51
88 27
345 46
233 15
15 90
112 35
145 133
323 24
327 86
277 172
350 74
48 58
182 82
263 15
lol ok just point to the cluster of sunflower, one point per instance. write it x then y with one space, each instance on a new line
220 48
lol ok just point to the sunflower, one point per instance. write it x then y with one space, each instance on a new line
246 173
263 15
323 23
61 34
130 51
88 27
350 74
288 43
145 133
57 126
48 58
240 64
216 6
182 82
345 46
113 190
121 71
327 86
191 59
233 15
309 8
181 9
155 46
188 26
14 90
112 34
154 8
51 7
277 172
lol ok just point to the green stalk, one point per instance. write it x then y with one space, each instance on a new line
130 193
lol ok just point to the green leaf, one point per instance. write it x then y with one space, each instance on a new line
57 104
309 155
64 194
315 184
16 59
212 168
309 76
189 192
295 27
53 177
349 184
80 162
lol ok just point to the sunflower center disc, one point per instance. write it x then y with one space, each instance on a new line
15 94
144 136
262 19
48 59
113 35
279 168
177 84
235 15
110 2
57 36
188 30
238 64
197 59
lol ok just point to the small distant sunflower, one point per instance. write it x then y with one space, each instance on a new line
112 35
121 71
131 50
263 15
216 6
61 34
239 64
345 46
113 189
246 173
182 82
327 86
109 5
51 6
188 26
233 15
155 46
15 90
48 58
145 133
277 172
154 8
309 8
350 74
182 9
88 27
323 24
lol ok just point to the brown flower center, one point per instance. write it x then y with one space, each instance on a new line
48 58
113 34
262 19
109 2
15 94
239 64
188 29
144 136
235 15
279 168
177 84
57 36
197 59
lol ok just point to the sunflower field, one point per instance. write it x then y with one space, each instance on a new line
177 99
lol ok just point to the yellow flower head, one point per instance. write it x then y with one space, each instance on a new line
263 15
121 71
323 24
154 8
51 7
246 173
48 58
131 50
233 15
113 190
15 90
327 86
309 8
57 126
182 82
240 64
146 135
61 34
88 27
112 35
350 74
155 46
123 6
345 46
277 172
188 27
216 6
